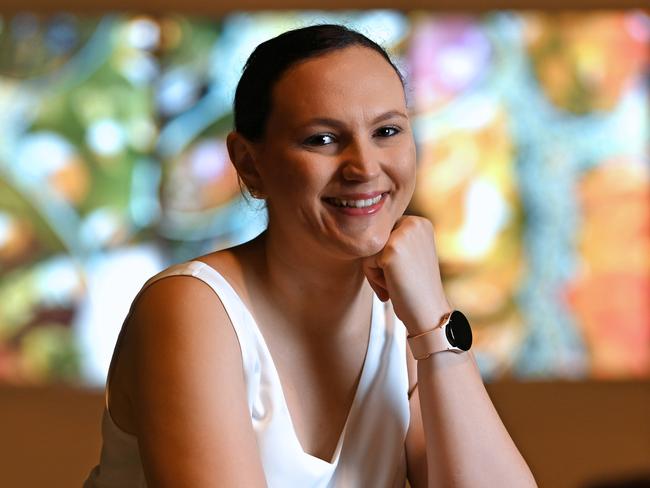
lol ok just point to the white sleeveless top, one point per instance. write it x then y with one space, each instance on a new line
370 451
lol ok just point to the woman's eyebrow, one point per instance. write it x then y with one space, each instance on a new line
389 115
337 123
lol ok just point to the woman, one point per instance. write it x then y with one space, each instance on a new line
298 373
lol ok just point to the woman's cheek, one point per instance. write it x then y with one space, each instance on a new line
406 178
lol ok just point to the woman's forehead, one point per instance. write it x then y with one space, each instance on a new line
354 80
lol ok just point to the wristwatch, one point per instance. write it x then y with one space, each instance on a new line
453 333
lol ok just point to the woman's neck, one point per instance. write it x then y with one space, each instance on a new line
310 286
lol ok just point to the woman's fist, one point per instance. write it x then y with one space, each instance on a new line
406 271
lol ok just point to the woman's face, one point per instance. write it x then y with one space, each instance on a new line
337 162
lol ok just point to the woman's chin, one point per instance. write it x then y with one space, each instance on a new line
366 246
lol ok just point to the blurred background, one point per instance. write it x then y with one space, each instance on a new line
532 130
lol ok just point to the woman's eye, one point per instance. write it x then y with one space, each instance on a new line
319 140
387 131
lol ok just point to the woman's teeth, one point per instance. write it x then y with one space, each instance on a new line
355 203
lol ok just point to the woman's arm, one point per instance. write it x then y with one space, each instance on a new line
415 444
467 445
188 393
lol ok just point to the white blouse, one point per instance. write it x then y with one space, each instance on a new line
370 451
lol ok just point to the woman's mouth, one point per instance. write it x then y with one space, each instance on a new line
357 204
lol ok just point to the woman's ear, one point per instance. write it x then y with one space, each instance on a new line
243 156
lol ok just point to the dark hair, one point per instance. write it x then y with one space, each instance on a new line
272 58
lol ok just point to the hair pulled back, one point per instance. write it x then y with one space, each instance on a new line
268 62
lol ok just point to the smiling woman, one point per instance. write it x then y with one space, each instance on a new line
331 139
297 373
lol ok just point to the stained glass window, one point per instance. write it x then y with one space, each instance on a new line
532 135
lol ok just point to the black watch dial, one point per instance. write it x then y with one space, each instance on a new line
459 332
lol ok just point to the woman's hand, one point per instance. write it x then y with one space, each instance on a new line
406 270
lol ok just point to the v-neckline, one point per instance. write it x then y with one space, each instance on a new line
355 399
360 385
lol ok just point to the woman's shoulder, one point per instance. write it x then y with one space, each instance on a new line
180 315
176 292
173 316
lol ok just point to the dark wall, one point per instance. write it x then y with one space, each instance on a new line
573 435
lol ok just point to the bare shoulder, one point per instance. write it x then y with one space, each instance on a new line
187 388
185 311
179 309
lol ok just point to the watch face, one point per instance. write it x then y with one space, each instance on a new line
459 333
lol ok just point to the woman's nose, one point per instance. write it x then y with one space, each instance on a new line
361 162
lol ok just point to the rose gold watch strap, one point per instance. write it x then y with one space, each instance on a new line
431 341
